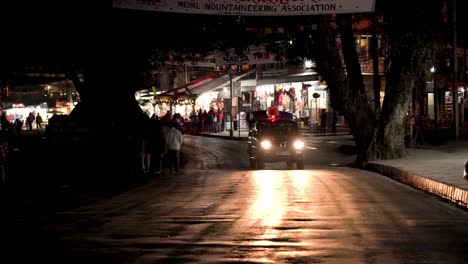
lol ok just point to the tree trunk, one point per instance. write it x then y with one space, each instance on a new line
361 119
411 54
391 133
347 91
108 110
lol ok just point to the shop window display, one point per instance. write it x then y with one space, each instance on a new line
284 96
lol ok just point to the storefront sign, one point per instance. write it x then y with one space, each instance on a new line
191 60
224 95
236 89
251 7
252 55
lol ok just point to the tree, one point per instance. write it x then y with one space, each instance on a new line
344 79
113 62
411 49
412 53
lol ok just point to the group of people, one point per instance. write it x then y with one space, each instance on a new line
211 121
159 143
17 125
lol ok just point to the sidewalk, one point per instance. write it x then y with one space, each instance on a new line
435 169
236 135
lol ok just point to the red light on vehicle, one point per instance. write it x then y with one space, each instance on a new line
272 112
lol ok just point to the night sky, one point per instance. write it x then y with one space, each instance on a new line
84 31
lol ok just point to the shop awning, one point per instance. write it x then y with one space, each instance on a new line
187 89
307 75
219 83
206 83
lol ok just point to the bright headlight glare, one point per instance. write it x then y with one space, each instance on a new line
266 144
298 144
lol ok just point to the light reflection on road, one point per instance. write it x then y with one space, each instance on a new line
273 198
268 206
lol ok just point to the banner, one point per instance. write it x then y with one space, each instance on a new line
250 7
196 60
253 55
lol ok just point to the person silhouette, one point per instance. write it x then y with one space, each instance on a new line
323 122
174 140
333 123
39 121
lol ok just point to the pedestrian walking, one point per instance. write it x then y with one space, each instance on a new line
18 126
219 126
38 121
156 146
333 123
4 122
323 122
143 141
174 141
30 120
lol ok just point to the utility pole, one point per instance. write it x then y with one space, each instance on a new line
231 131
455 72
436 102
464 82
375 66
462 105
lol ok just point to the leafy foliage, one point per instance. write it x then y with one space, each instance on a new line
413 31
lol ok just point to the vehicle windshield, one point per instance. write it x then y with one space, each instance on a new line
277 129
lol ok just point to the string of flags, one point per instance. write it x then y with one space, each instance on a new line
282 30
358 24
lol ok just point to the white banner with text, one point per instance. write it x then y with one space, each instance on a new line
250 7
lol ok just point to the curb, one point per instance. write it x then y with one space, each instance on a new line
224 137
442 190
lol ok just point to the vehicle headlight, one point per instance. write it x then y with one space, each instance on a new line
265 144
298 144
465 172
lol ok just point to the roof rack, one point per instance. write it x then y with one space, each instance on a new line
261 115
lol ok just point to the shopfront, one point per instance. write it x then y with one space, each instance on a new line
182 105
208 100
295 97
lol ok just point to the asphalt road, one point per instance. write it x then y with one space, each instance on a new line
218 211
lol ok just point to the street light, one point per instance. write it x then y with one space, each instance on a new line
231 71
308 64
316 96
